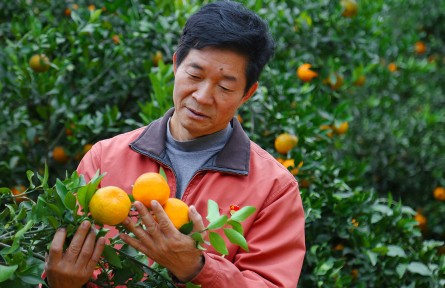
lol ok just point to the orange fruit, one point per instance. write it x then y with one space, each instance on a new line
39 63
439 193
59 154
75 6
304 183
18 190
350 8
305 73
392 67
420 47
91 7
338 247
330 134
156 58
67 12
177 211
334 84
354 274
360 80
421 220
116 39
151 186
341 129
110 205
285 142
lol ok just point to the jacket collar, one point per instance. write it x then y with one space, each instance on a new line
233 158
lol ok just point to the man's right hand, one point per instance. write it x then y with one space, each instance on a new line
73 267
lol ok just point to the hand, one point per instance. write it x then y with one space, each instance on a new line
74 267
164 244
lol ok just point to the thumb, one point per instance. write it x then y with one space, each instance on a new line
198 224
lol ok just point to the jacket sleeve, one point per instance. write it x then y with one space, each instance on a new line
276 248
89 164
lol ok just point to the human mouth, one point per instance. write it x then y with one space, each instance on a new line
197 113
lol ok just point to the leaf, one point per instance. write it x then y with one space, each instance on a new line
112 257
6 272
236 238
212 210
29 175
236 226
217 223
186 228
372 257
218 243
419 268
162 172
396 251
61 190
243 213
191 285
85 193
70 201
5 190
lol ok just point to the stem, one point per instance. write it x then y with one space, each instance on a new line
36 255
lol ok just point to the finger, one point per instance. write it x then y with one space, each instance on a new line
164 223
138 231
56 249
196 218
75 247
146 217
135 243
98 249
87 249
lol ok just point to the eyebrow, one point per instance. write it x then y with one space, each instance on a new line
226 77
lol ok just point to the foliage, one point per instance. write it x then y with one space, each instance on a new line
361 190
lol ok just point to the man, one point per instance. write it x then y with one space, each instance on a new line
206 155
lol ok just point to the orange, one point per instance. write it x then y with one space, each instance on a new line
156 58
91 7
59 154
110 205
305 73
341 129
177 211
290 163
421 220
18 190
350 8
338 81
420 47
392 67
330 134
360 80
151 186
39 63
75 6
338 247
354 274
116 39
439 193
67 12
304 183
285 142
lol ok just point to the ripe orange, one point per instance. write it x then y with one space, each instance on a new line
18 190
110 205
116 39
156 58
285 142
420 47
341 129
177 211
350 8
439 193
334 84
421 220
151 186
67 12
360 80
59 154
392 67
330 134
91 7
39 63
305 73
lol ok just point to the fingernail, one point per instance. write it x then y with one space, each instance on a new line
126 221
193 209
61 228
85 224
154 203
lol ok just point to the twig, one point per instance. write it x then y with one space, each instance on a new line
36 255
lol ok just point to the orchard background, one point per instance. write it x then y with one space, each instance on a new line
370 121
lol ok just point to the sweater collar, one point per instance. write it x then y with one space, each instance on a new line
233 158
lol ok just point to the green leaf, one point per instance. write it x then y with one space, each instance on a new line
217 223
218 243
70 201
419 268
5 190
372 257
162 172
85 193
243 213
191 285
29 175
236 226
396 251
236 238
6 272
61 190
186 228
112 257
212 210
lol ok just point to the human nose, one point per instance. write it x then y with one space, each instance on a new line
204 93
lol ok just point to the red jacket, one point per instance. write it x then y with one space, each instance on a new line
242 174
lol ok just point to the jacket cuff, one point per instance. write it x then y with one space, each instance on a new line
209 272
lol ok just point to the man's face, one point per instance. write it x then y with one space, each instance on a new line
209 88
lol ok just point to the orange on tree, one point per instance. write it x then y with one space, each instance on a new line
350 8
177 211
421 220
110 205
67 12
151 186
116 39
91 7
39 63
360 81
305 73
420 47
334 80
156 58
439 193
392 67
59 154
340 129
18 190
330 134
285 142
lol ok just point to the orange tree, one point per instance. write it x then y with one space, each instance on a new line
365 132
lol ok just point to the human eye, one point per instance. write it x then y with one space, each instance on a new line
193 76
225 89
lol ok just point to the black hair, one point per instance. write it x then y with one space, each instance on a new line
229 25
